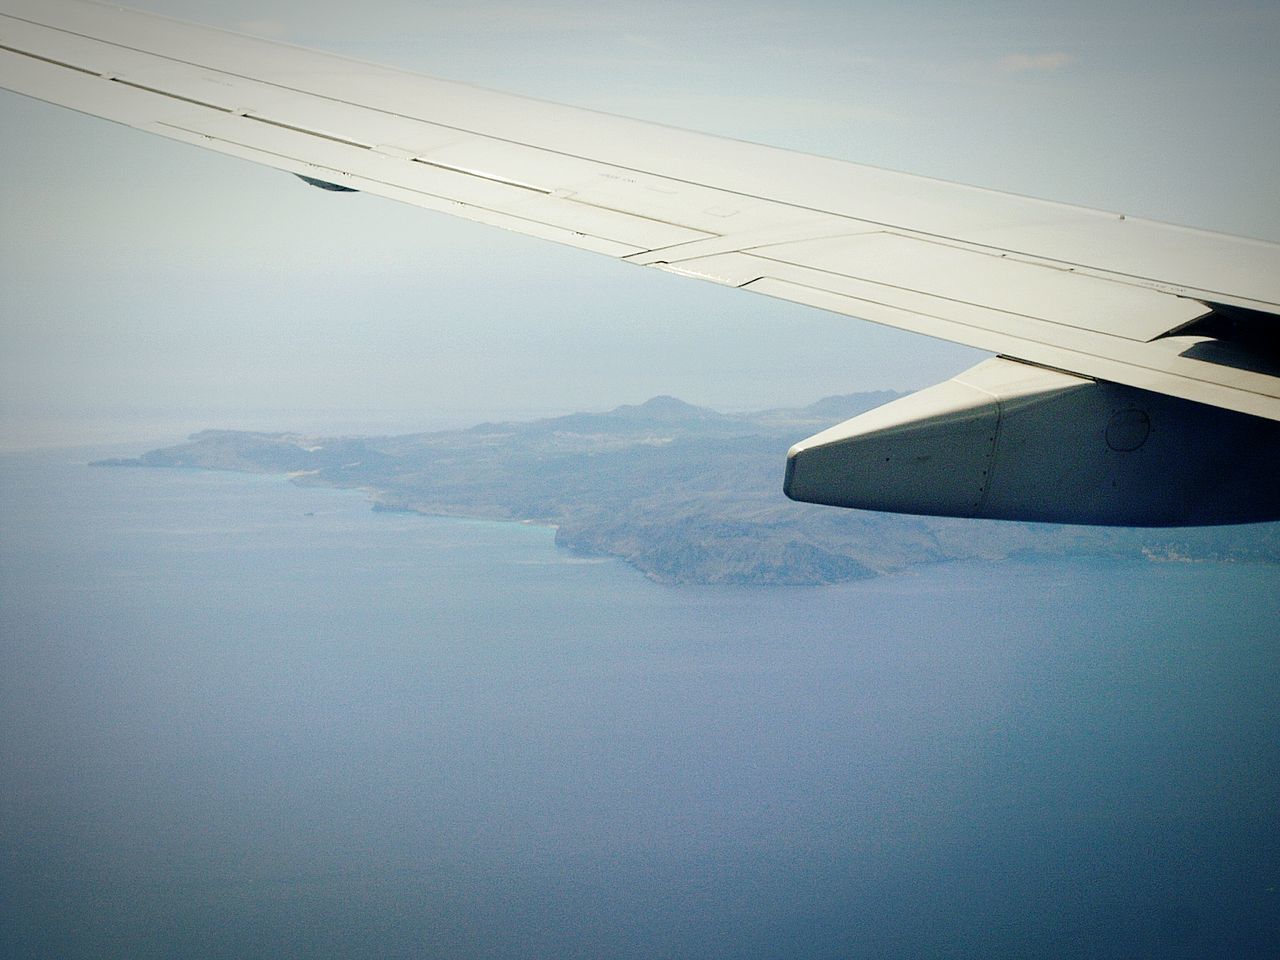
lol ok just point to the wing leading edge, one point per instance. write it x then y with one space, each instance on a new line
1156 309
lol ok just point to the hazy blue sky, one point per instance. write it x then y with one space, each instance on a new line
150 287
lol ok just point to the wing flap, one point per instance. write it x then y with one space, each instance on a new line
1167 367
994 282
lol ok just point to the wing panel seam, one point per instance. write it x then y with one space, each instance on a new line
384 183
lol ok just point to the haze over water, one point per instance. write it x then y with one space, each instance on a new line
246 719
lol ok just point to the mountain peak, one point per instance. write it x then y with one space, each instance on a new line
664 409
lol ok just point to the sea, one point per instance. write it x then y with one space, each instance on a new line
243 718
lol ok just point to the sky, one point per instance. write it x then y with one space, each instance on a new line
151 289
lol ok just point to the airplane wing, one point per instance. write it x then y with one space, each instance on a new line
1084 303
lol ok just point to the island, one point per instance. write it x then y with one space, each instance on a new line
682 493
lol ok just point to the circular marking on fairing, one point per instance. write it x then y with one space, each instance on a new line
1128 430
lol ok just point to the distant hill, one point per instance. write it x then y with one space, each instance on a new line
682 493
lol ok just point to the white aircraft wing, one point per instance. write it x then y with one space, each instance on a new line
1180 312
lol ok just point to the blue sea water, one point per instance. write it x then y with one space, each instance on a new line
246 719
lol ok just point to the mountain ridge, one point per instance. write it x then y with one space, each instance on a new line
684 494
